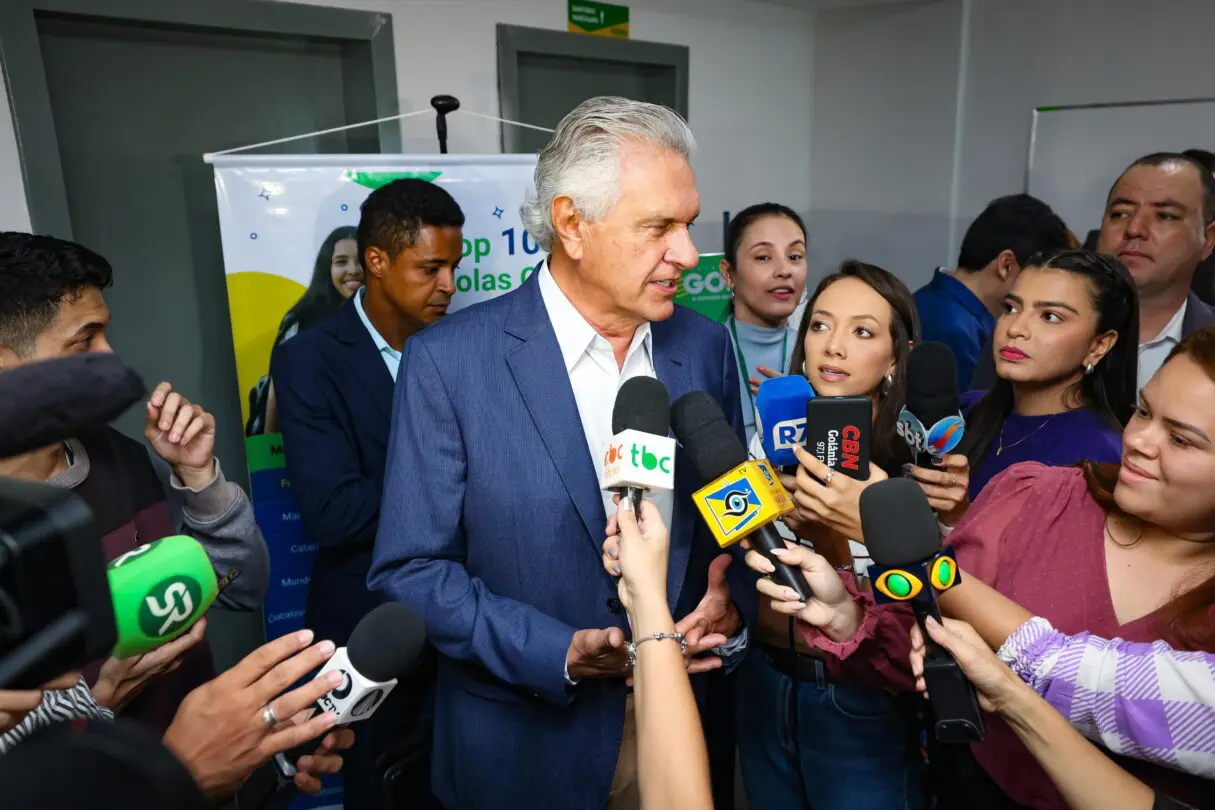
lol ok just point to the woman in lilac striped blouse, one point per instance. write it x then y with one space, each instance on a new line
1162 701
1164 711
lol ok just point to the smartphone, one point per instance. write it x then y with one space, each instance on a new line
837 433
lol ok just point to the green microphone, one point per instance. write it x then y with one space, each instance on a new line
159 590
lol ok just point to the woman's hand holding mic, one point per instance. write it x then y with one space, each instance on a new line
636 552
832 609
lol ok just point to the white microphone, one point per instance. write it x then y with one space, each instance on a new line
386 644
641 454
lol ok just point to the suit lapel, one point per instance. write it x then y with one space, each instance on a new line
538 370
1197 315
365 361
672 373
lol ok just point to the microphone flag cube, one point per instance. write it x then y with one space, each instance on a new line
742 500
632 458
159 590
908 583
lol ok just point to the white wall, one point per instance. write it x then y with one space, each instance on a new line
885 90
749 89
915 98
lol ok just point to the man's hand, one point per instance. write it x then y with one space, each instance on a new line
121 680
310 768
219 732
183 435
597 654
713 621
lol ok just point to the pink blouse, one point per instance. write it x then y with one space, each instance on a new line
1037 537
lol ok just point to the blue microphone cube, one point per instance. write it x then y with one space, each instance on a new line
780 417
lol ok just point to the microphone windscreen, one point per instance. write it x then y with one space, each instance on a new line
643 404
900 527
159 591
710 443
387 643
932 383
53 400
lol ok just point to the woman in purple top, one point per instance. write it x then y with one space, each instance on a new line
1066 352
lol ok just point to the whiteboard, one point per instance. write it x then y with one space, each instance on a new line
1076 153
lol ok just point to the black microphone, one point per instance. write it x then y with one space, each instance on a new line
640 455
741 497
50 401
387 644
931 421
904 541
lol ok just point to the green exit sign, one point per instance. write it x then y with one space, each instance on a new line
599 19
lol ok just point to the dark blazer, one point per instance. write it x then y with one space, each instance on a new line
334 396
492 527
1197 316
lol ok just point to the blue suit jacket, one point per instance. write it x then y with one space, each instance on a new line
334 397
492 526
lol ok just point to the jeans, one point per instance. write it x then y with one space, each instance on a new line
857 746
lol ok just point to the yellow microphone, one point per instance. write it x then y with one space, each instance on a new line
743 497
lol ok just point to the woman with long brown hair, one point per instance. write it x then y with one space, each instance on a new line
809 733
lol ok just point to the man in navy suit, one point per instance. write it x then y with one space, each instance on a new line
493 517
334 387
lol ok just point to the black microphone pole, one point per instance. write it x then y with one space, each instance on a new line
443 105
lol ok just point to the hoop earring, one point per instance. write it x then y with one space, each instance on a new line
887 383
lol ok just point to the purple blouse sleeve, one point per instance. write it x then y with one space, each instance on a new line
1146 701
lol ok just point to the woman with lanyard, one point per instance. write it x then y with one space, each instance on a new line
765 268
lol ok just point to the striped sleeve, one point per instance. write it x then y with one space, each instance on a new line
1147 701
57 706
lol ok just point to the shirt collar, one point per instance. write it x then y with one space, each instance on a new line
574 335
381 345
1171 333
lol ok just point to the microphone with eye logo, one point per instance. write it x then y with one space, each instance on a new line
741 498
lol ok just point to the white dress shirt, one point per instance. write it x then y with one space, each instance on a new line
595 377
392 358
1154 352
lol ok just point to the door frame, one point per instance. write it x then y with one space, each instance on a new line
370 34
516 40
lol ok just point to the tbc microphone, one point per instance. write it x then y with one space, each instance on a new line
385 645
780 417
640 456
741 498
53 400
903 539
931 421
159 590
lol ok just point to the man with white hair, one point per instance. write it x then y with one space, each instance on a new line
493 520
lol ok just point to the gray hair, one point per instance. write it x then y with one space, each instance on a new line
582 161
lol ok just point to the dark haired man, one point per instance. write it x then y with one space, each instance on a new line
959 308
51 306
334 385
1160 222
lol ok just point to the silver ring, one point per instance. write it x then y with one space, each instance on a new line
830 475
268 716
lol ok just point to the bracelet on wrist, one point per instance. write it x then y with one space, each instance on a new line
631 647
